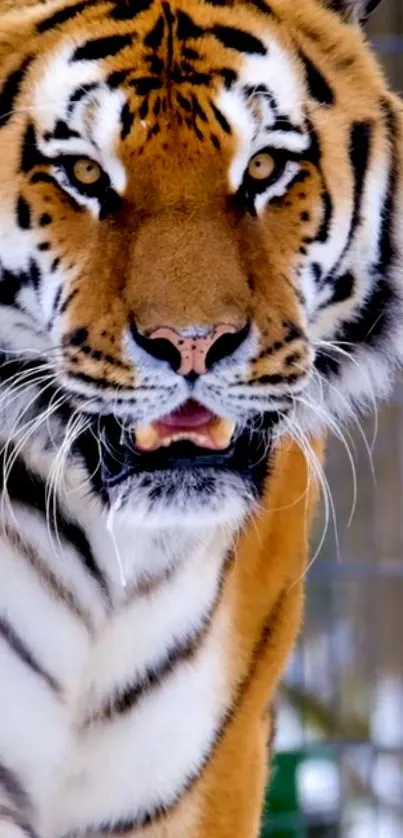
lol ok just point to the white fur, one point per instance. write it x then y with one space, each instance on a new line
78 774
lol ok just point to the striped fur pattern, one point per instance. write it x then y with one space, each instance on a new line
145 621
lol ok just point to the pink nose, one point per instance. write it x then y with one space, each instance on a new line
193 351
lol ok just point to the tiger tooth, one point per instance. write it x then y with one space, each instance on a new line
146 436
222 432
219 435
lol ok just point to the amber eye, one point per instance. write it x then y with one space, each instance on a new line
87 172
262 166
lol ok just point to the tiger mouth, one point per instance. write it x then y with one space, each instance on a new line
192 423
191 439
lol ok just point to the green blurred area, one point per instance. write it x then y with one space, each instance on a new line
283 815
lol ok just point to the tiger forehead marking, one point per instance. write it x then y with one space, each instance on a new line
133 87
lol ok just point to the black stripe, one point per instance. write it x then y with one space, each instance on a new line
98 383
125 700
324 229
224 124
101 48
145 84
21 650
12 785
372 322
197 108
262 6
23 213
187 28
315 156
319 88
58 591
30 154
343 288
374 318
387 249
61 131
10 91
276 378
154 38
127 825
116 78
238 39
282 123
34 274
66 302
80 93
127 119
359 153
128 698
170 20
10 285
62 16
229 76
185 104
129 9
251 90
26 487
13 817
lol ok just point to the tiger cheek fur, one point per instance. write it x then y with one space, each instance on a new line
200 272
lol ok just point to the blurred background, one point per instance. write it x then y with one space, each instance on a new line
338 770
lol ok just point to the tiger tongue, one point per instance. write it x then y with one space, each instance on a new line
190 415
192 423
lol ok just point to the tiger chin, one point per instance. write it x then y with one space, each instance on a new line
200 274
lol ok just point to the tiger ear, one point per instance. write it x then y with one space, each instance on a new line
355 11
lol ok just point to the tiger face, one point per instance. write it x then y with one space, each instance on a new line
199 237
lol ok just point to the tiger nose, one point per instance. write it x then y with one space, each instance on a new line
193 355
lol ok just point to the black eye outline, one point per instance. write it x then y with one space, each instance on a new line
108 199
98 190
251 187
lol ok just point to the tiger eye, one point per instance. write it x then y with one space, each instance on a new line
261 166
87 171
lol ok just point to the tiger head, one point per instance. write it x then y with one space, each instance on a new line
199 236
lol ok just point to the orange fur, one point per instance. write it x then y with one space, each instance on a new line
177 197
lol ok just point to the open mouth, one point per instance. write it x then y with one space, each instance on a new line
192 423
191 438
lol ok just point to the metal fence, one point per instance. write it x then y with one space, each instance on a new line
339 763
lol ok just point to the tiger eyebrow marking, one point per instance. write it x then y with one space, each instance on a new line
80 93
237 39
11 89
99 48
62 16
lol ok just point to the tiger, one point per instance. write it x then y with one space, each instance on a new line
201 256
